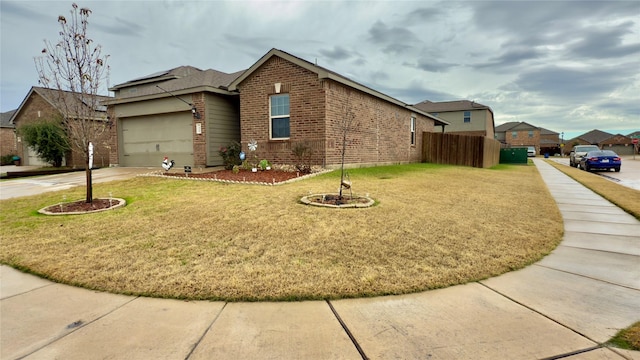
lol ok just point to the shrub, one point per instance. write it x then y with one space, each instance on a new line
7 159
48 139
303 153
230 155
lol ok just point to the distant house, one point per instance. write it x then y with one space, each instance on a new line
549 142
285 101
465 117
8 139
518 134
47 104
280 102
619 143
522 134
185 113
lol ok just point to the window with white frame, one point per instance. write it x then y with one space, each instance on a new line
413 130
467 116
514 134
279 127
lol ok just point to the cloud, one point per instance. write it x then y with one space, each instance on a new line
121 27
10 9
574 84
394 39
511 57
431 65
602 43
337 53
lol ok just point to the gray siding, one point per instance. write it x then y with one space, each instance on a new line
223 125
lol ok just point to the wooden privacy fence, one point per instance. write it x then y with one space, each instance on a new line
466 150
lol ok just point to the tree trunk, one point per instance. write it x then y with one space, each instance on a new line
89 198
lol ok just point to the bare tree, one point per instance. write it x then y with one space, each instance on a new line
77 69
346 126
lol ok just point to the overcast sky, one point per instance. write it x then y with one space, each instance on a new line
568 66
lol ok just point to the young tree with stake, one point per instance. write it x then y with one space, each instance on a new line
77 69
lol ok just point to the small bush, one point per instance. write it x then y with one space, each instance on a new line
7 159
303 153
230 155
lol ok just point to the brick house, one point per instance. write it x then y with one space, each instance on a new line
619 143
465 117
549 142
285 100
8 139
46 104
518 134
184 113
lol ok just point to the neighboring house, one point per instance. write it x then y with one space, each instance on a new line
8 139
519 134
465 117
619 143
549 142
47 104
185 113
286 101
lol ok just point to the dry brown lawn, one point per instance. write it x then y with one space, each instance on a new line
626 198
433 226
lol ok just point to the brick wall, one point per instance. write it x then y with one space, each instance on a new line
523 139
8 144
36 108
306 101
199 140
380 134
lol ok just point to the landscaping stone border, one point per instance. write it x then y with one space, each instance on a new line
306 200
121 203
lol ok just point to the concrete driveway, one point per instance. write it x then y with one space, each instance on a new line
37 185
565 306
628 176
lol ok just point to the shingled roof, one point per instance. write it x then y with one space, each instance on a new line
445 106
5 119
594 136
181 79
61 100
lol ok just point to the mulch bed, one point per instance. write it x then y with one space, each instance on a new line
267 176
82 206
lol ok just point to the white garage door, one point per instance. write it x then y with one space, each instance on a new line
34 160
147 140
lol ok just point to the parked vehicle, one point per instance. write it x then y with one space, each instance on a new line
578 152
601 160
531 151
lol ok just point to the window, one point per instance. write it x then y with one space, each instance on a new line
467 116
514 134
279 118
530 134
413 130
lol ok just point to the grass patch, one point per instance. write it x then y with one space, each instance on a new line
624 197
434 226
628 338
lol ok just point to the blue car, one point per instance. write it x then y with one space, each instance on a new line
601 160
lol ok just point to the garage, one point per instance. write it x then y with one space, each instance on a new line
146 140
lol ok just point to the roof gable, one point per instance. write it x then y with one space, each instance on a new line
516 126
594 136
324 73
58 98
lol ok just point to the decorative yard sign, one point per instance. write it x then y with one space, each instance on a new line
90 149
187 170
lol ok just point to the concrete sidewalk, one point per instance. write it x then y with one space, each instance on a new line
566 306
